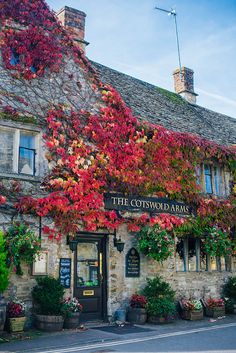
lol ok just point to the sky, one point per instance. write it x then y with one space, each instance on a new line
132 37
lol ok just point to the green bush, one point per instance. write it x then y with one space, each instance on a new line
48 296
161 307
157 287
229 289
4 273
160 297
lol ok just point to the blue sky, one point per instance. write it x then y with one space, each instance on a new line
131 37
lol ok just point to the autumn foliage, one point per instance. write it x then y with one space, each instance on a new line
107 149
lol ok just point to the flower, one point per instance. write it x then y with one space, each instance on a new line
215 303
138 301
191 304
71 305
15 308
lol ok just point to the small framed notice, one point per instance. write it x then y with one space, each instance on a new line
40 265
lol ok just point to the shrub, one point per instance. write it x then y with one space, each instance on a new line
4 273
161 307
229 289
157 287
48 296
160 297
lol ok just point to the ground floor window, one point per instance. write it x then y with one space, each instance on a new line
190 256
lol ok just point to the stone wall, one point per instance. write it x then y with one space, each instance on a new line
186 284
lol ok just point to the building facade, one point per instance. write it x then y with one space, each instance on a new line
91 265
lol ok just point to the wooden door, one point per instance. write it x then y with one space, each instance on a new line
90 282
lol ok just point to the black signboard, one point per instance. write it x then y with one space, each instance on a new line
132 263
65 272
121 202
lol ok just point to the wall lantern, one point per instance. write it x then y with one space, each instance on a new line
72 243
118 243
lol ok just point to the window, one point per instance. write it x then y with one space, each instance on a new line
17 151
208 179
213 183
190 256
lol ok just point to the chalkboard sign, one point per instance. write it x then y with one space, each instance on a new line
65 272
132 268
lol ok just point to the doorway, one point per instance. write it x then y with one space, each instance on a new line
90 276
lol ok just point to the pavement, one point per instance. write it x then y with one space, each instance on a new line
91 333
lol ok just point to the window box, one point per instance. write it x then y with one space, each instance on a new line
190 314
213 312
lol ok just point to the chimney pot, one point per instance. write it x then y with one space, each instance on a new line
184 84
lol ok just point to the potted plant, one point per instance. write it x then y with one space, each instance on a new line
4 275
71 309
214 307
16 315
191 309
137 313
48 297
160 301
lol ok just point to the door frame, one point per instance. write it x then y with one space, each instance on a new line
104 237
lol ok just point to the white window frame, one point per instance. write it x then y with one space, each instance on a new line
16 145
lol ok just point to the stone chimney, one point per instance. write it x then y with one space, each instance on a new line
183 83
74 22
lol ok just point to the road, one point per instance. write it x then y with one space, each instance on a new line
214 339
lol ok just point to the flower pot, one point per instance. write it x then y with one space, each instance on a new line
192 315
16 324
137 316
49 322
158 320
214 312
72 321
2 313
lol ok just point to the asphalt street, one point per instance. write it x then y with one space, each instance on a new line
182 337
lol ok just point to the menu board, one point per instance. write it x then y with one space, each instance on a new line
132 268
65 272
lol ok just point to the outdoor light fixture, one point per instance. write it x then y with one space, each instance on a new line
118 243
72 243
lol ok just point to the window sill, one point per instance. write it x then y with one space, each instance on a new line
24 177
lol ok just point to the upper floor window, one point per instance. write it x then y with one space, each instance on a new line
17 151
213 180
208 179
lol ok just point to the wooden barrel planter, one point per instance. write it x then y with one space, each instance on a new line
3 307
72 321
159 320
49 323
137 315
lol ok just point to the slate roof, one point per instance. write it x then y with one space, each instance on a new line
162 107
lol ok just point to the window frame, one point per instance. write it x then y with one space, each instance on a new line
219 184
227 263
16 150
